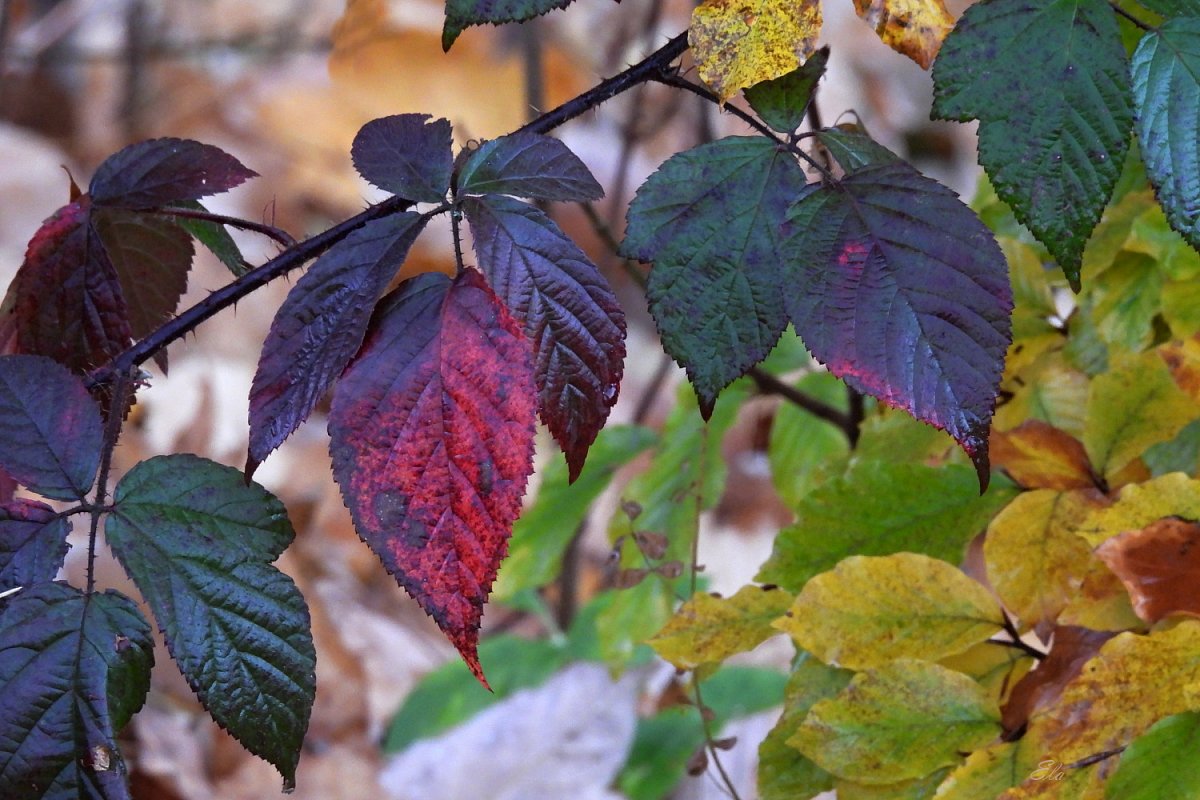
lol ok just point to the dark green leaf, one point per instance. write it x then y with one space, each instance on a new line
1166 89
461 14
215 237
709 219
1173 8
528 165
854 149
1048 81
33 543
879 509
1160 764
50 428
73 669
198 542
783 101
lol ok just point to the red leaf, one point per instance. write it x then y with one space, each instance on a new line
568 312
1159 565
432 441
320 327
162 171
66 297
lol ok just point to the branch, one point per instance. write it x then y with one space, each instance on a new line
769 384
270 231
303 252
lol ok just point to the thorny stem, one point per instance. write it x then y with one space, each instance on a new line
456 234
112 431
270 231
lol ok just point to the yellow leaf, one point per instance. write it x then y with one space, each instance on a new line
707 629
914 28
1035 559
989 771
1101 603
1173 495
1038 455
738 43
1050 390
1183 359
995 667
870 610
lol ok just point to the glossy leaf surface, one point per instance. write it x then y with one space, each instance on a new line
162 171
406 155
198 542
33 543
432 440
73 669
905 297
567 311
320 327
1052 137
709 219
50 428
528 165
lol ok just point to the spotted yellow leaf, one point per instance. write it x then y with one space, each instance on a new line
914 28
738 43
708 629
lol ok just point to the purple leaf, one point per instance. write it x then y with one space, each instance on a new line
528 165
406 155
903 293
567 310
162 171
33 543
320 327
50 429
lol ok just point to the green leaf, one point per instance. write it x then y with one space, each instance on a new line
1132 406
1125 299
543 532
1160 764
898 722
783 773
1048 81
709 629
451 694
802 448
198 542
215 237
1166 89
870 610
782 102
1173 8
73 669
709 219
854 149
461 14
629 618
528 165
877 509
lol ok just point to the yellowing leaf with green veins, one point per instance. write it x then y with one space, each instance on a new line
916 789
898 722
914 28
1133 682
1050 390
738 43
989 771
707 629
1132 406
996 667
870 610
1173 495
1035 559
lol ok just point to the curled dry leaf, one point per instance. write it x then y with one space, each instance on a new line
1159 565
915 28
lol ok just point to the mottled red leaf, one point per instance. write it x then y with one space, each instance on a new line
1160 567
528 165
66 297
406 155
50 428
162 171
320 327
903 293
432 441
33 543
568 312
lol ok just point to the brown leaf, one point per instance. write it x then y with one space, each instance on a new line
1040 687
1038 455
914 28
1159 565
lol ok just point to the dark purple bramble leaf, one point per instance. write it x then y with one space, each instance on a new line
431 434
528 165
198 542
709 219
320 327
903 293
406 155
74 668
567 310
50 429
163 171
33 543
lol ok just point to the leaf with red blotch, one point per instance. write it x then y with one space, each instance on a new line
568 311
528 165
320 327
161 171
66 297
50 429
431 433
33 543
406 155
1159 565
903 293
1038 455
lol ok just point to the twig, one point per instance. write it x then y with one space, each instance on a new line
769 384
1139 23
858 412
270 231
1016 641
112 431
1095 758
